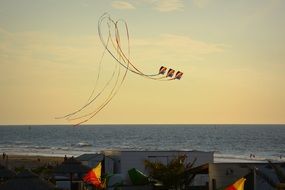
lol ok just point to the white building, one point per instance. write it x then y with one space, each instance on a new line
121 161
124 160
216 175
223 174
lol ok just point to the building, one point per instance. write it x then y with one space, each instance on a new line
124 160
208 175
92 160
224 174
119 162
68 175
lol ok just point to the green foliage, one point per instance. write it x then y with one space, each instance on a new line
46 172
173 175
20 169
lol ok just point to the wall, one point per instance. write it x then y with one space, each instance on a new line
135 159
227 173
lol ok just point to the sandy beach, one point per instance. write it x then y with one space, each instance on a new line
29 162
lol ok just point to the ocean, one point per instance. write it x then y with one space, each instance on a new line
230 143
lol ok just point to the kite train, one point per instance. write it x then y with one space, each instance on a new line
120 53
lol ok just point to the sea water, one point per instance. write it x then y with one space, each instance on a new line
228 142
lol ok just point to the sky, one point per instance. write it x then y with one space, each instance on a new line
231 52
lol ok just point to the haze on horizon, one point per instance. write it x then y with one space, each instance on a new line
231 52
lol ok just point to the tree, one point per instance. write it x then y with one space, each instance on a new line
172 175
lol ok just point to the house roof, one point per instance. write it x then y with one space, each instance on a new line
87 157
71 165
27 180
6 173
174 151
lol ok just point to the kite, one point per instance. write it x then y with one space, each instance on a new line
120 53
162 70
170 73
178 75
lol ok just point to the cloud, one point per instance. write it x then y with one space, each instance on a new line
40 47
193 45
168 5
170 47
262 11
158 5
122 5
43 46
201 3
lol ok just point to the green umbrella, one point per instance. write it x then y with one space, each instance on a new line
137 177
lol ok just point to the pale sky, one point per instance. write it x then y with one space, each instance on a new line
231 52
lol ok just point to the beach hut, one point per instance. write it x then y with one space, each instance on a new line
257 175
69 174
5 174
27 180
90 160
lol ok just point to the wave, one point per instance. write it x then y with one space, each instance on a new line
24 145
83 144
11 143
51 151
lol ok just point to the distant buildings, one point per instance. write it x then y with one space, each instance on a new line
223 174
126 160
119 162
207 174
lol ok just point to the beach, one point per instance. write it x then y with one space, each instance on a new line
30 162
35 161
